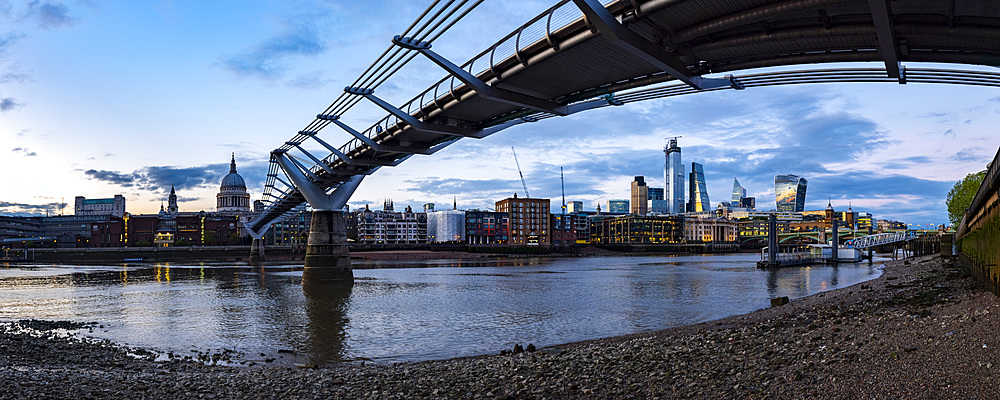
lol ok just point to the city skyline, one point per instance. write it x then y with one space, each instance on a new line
149 96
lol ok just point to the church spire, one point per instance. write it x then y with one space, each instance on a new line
232 164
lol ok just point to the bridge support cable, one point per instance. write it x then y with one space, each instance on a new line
481 88
886 33
344 157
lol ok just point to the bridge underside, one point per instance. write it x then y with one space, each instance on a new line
561 59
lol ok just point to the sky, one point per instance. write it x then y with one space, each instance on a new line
100 97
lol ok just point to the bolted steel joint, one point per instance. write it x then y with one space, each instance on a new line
359 91
410 43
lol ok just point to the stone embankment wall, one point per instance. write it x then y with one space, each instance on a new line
978 235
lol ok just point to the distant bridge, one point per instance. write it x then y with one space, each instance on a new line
865 242
585 54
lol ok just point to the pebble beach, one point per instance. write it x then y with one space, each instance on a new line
925 329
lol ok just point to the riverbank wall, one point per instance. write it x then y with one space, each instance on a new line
978 235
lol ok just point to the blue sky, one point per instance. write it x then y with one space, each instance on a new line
113 97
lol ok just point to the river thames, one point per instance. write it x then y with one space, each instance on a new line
404 311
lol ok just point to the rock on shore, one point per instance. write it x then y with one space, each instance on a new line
924 330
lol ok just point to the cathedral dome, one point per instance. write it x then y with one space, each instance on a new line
233 180
233 196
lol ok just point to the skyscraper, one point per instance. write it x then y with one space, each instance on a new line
739 192
789 193
698 190
657 205
640 197
673 175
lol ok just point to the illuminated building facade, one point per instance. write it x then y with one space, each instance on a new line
635 229
789 193
698 191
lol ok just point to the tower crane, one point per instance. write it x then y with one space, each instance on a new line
562 183
525 185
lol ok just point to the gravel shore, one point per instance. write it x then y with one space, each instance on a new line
924 330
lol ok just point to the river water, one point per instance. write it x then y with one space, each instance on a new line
404 311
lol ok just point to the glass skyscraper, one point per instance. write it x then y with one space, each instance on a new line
790 193
739 192
673 175
657 205
698 190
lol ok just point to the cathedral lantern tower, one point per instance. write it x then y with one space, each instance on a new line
233 197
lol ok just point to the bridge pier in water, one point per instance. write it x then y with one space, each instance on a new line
257 250
328 259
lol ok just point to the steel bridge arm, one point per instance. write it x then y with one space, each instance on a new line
482 88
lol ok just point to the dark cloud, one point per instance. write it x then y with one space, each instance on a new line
160 178
267 60
8 104
49 15
26 152
27 210
968 155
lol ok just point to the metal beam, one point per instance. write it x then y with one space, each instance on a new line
369 141
484 90
882 17
414 123
279 191
619 35
303 168
345 158
312 157
316 196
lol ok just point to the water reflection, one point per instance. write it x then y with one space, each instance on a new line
405 311
326 306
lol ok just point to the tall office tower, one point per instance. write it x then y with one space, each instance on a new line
698 195
657 205
790 193
673 175
739 192
640 197
574 206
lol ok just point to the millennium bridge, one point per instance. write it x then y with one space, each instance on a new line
581 55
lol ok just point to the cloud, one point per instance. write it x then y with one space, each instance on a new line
160 178
268 60
967 155
27 210
25 151
49 15
7 40
9 104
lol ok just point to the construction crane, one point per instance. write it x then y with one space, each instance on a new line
525 185
562 182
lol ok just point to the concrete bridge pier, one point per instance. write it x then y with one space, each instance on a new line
257 250
328 259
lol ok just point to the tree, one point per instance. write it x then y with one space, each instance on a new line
961 195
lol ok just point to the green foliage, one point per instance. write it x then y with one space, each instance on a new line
960 196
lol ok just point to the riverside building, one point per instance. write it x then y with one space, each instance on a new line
113 206
529 221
